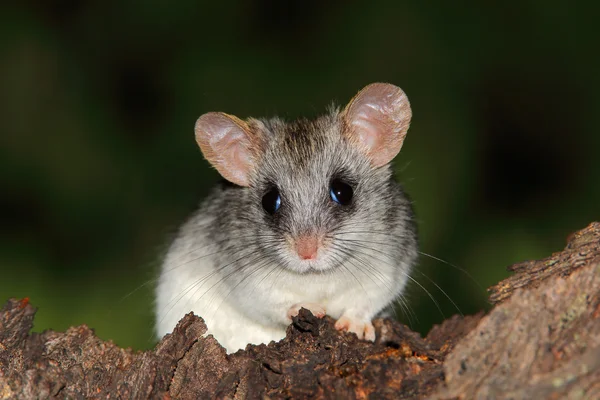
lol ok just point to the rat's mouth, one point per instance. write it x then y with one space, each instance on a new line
322 265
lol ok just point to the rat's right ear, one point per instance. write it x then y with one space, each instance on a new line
227 143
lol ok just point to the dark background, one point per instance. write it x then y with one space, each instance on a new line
98 163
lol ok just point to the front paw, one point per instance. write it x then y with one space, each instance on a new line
362 328
317 310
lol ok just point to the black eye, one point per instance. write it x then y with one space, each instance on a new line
340 192
271 201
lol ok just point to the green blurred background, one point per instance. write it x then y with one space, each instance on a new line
98 163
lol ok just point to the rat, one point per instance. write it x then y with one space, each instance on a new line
308 215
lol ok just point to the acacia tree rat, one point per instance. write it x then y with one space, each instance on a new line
310 216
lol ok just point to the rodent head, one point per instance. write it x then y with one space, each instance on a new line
315 186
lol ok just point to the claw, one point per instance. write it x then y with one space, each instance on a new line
364 330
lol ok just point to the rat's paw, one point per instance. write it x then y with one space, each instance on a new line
317 309
363 329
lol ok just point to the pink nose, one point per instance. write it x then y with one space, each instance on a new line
307 247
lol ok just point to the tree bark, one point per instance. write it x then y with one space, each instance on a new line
541 340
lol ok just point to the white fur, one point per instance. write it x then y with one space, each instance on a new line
256 310
236 266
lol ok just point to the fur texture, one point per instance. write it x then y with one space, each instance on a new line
235 265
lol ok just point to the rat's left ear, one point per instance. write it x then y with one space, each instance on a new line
377 120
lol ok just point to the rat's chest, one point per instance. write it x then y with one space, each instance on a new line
321 289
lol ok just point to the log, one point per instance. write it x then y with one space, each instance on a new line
541 340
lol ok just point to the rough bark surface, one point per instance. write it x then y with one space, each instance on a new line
541 340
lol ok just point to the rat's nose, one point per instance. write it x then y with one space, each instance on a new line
307 247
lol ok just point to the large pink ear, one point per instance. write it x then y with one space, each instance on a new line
377 119
228 144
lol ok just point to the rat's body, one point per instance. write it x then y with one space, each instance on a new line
315 220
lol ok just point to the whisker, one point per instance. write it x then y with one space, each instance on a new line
237 269
464 271
262 263
358 242
351 255
409 277
445 294
349 252
220 242
204 279
154 280
345 268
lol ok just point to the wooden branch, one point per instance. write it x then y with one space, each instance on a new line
541 340
583 248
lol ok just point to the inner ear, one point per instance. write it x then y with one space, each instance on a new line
377 120
229 145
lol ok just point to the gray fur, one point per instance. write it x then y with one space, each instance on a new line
371 243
